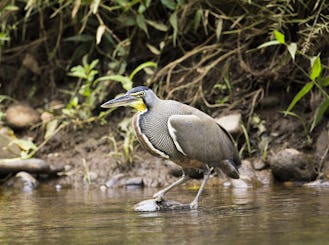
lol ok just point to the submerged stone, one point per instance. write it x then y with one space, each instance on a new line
152 205
23 181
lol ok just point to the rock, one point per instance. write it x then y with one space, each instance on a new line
292 165
259 164
46 117
322 143
153 205
134 182
247 170
20 116
8 149
247 176
31 165
241 183
230 122
116 181
264 177
23 181
318 183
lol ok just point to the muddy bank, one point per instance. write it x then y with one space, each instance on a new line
93 155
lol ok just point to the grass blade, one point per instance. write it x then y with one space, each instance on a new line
307 87
319 113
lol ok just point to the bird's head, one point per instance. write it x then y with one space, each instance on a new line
139 98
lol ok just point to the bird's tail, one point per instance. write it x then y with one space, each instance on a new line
230 168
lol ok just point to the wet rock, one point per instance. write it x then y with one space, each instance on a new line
259 164
230 122
247 176
292 165
134 182
20 116
153 205
32 165
247 170
264 177
23 181
318 183
116 181
241 183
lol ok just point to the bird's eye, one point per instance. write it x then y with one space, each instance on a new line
140 94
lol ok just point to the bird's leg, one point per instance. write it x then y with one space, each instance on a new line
160 194
195 203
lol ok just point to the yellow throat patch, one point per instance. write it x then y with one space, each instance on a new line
139 105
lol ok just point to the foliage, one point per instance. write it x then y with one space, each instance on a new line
210 54
316 80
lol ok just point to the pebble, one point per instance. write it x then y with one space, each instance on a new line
231 122
20 116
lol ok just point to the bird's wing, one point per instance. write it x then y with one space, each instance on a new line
200 138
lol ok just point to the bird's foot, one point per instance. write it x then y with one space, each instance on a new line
158 197
194 204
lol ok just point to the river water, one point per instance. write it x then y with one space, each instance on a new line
271 215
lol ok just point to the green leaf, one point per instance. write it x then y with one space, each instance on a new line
126 83
51 129
307 87
140 19
197 19
11 8
170 4
141 9
153 49
319 113
269 43
78 71
279 36
93 64
141 67
25 145
174 23
80 38
316 67
325 82
157 25
4 37
292 48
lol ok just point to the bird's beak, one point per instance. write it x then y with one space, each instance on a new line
123 100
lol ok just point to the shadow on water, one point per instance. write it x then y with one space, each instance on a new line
278 215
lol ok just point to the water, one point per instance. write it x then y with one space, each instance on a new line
277 215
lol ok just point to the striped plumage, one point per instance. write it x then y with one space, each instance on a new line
181 133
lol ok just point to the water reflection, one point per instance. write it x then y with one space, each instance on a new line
277 215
